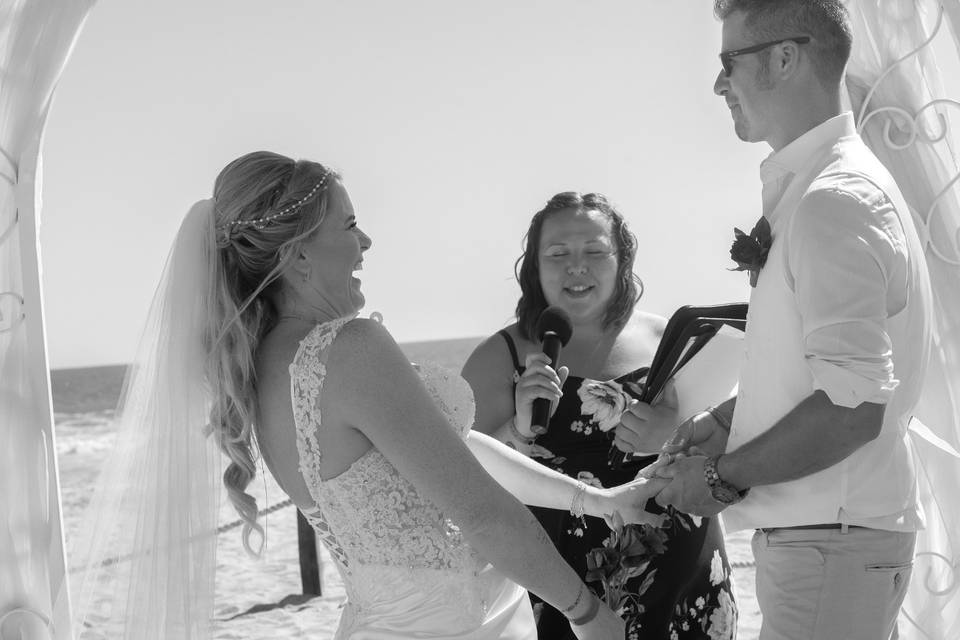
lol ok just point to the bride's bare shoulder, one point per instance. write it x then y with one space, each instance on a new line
365 350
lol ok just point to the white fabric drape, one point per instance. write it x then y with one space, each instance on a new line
914 128
36 37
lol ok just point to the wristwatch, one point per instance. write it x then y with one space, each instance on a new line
722 492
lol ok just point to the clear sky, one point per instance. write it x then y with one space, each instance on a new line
452 123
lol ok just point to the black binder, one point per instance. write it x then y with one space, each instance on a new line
687 331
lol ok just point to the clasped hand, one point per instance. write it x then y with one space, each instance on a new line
681 462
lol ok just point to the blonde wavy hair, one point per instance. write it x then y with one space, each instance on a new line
248 265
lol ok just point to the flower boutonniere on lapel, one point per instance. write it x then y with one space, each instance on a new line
750 251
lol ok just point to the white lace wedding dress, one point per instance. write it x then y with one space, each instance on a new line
407 569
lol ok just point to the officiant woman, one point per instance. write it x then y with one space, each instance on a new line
579 256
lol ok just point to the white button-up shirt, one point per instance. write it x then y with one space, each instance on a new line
842 305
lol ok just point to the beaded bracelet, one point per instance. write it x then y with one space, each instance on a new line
576 505
589 614
721 419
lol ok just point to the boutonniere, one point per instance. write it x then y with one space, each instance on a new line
750 251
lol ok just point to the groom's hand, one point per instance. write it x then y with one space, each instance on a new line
688 491
701 431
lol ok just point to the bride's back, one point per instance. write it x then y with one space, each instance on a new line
276 430
402 560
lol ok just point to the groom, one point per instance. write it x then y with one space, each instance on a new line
816 459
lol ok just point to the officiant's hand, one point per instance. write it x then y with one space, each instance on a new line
644 428
701 431
539 380
688 491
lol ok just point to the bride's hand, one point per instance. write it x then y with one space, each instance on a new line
607 625
629 500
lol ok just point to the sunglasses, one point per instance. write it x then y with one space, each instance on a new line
726 57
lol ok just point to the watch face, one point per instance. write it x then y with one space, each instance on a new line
721 491
724 494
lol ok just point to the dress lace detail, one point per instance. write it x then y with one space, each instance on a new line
306 379
374 522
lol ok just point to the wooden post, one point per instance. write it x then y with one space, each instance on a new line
309 562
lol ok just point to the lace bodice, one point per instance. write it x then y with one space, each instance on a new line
370 517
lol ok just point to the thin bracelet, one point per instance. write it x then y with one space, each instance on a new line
576 505
527 440
575 602
590 614
719 417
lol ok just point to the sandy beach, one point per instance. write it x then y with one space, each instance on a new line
261 598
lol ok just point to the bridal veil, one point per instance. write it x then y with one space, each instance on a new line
147 551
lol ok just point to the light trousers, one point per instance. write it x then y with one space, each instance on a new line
826 584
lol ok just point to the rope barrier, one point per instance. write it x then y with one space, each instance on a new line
239 521
221 529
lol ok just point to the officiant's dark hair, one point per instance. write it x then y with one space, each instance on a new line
628 289
827 22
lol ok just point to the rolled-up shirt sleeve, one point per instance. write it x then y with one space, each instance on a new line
843 248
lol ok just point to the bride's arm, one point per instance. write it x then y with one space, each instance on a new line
378 393
534 484
489 371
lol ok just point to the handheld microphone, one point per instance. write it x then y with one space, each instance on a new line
553 331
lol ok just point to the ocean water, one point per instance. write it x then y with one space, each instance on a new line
96 390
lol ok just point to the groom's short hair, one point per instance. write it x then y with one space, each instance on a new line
827 22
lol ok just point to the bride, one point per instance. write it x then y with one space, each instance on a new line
254 339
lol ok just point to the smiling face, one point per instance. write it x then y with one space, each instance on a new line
331 256
747 95
578 263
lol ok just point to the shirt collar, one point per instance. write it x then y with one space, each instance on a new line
793 157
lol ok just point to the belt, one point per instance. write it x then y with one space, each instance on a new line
832 525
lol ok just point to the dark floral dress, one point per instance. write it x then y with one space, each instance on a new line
684 594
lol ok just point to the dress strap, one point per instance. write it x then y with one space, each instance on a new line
513 350
307 373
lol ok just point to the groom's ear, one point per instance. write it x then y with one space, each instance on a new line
786 58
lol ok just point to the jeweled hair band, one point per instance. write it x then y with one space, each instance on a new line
260 223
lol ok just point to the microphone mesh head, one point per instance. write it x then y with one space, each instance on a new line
556 320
